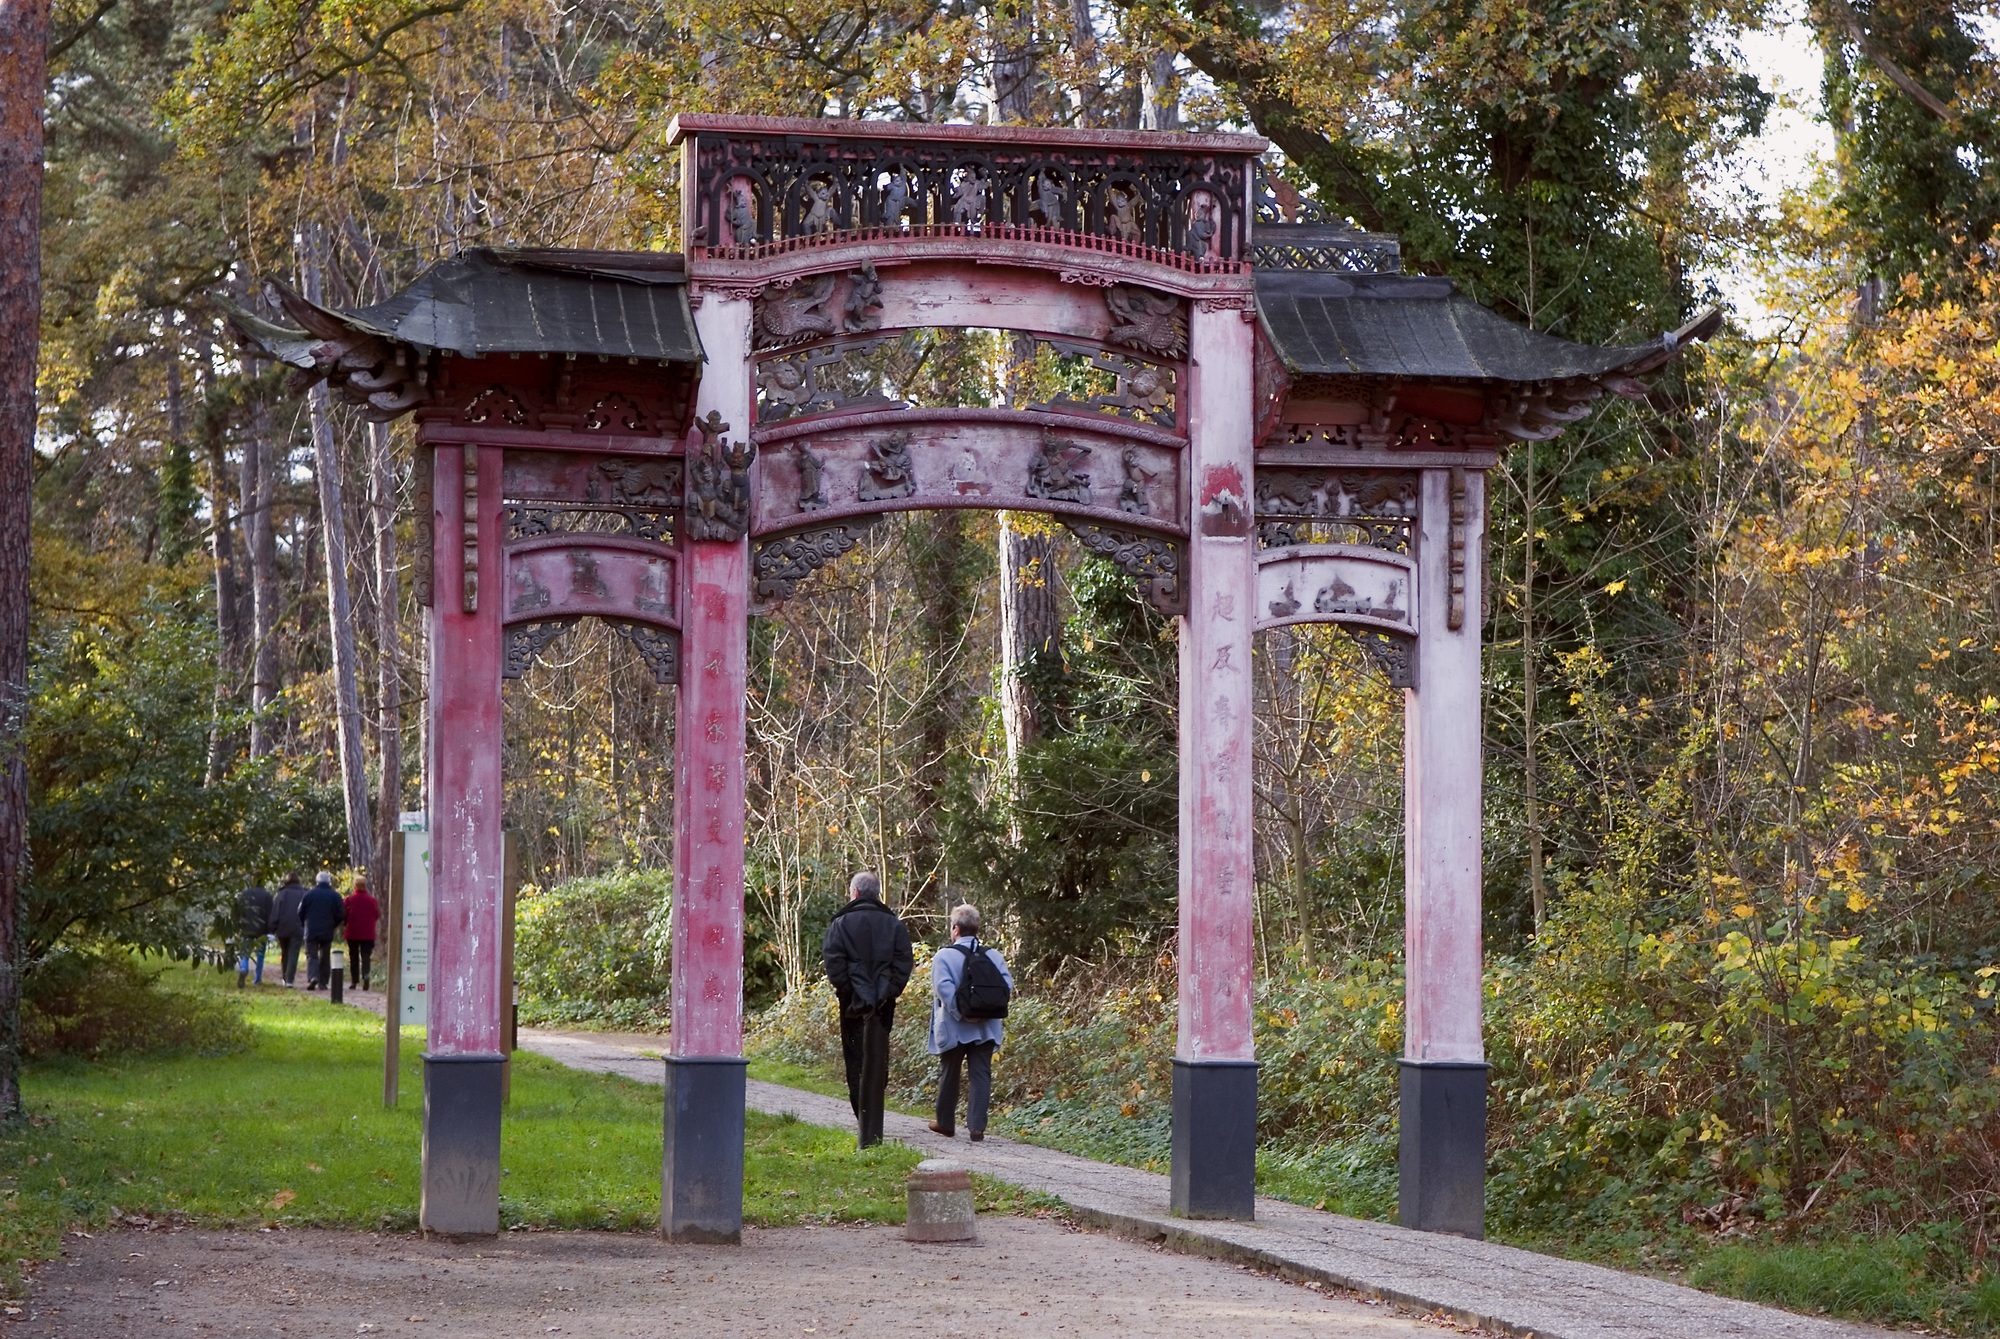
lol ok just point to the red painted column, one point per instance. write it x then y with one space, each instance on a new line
461 1176
1442 1157
1215 1077
702 1177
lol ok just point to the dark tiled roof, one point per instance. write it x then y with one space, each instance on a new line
618 304
1405 326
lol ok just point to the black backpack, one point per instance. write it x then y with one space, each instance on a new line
982 992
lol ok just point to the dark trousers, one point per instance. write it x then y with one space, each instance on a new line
318 953
359 951
864 1045
976 1057
288 958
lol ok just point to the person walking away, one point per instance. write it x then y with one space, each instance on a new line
321 912
868 959
253 929
285 924
362 913
970 991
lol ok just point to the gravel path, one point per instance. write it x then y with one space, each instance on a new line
1025 1277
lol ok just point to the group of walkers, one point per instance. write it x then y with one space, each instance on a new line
868 958
309 918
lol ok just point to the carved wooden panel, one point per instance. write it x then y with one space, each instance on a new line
555 578
910 461
1336 583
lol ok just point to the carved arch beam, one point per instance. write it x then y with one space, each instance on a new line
1360 587
1065 465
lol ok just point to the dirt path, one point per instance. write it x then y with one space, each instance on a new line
1025 1277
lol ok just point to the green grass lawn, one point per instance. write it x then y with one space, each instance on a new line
293 1131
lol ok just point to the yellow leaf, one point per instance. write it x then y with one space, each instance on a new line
1858 901
1615 587
1743 911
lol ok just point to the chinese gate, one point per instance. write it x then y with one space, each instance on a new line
1260 420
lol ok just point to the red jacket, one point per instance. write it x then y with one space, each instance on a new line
362 913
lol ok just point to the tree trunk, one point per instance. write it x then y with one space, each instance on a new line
258 486
1030 630
1159 96
1531 774
340 625
938 552
388 661
24 41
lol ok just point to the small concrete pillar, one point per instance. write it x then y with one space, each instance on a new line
940 1203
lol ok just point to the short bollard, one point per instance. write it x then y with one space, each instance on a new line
336 971
940 1203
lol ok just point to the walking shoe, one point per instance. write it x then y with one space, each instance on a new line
939 1129
977 1136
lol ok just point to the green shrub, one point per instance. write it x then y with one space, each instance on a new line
94 1003
595 950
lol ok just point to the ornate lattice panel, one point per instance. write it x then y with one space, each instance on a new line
752 190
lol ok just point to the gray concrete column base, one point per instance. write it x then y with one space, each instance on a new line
461 1176
701 1180
1441 1160
1215 1139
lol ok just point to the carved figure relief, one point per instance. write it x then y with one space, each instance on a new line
812 478
1340 598
1201 224
584 578
1285 605
1151 322
740 215
718 474
864 301
642 483
1132 494
1046 200
782 384
788 317
529 593
966 476
896 196
651 597
968 198
890 474
1121 210
1053 473
819 206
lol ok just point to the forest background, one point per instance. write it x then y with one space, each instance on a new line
1742 731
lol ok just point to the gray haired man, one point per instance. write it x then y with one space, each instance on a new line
868 959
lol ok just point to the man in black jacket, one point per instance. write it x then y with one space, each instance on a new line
321 912
286 926
253 926
868 960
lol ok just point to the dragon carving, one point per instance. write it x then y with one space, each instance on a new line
1148 321
797 315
